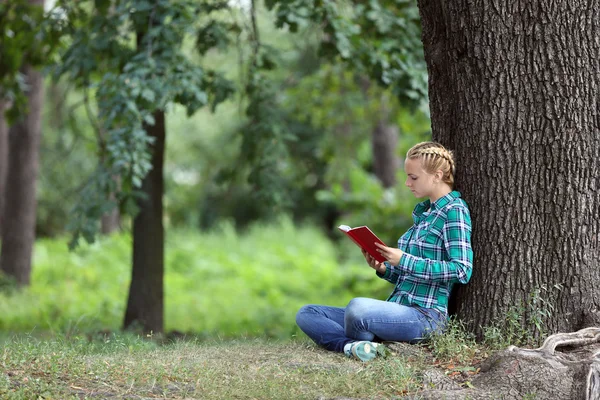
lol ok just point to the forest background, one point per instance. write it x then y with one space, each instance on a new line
244 249
197 156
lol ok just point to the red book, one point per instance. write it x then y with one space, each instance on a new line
365 239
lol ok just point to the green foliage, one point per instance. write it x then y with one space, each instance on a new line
377 42
344 109
286 151
216 284
129 53
25 39
200 146
305 130
523 324
265 138
263 145
379 38
388 212
347 115
214 34
8 284
455 344
67 157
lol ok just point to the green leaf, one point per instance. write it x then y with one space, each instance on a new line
149 119
148 94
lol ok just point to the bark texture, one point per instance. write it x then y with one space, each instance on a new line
18 227
544 373
145 304
514 92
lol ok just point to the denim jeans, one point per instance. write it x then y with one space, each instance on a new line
367 319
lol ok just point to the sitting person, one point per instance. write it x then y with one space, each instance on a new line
433 255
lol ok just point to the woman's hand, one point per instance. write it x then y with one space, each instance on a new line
391 254
373 263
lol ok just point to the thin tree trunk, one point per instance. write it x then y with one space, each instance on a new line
18 228
514 92
3 159
145 303
384 141
111 221
57 108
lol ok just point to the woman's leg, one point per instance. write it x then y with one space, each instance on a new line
324 325
370 319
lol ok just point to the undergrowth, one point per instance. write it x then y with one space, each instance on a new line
220 283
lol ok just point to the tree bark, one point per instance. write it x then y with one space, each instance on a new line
384 139
514 92
384 142
544 373
111 221
145 305
3 158
18 228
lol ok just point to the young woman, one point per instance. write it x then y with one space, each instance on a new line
433 255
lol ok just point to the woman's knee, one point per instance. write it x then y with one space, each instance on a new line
357 309
304 312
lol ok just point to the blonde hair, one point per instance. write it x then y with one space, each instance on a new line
434 157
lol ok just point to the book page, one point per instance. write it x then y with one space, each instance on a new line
344 228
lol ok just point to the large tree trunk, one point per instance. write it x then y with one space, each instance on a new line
3 158
145 303
514 92
18 228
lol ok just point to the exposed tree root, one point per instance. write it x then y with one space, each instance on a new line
573 372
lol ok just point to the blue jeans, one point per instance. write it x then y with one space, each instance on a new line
367 319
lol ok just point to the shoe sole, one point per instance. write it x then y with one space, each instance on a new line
365 351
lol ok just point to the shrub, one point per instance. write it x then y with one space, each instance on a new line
219 283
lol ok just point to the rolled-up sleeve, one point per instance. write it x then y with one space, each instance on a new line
457 242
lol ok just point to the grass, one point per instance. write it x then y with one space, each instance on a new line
121 366
216 283
85 365
272 272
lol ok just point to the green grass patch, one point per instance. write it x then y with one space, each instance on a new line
217 284
128 367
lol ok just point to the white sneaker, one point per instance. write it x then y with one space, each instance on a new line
365 350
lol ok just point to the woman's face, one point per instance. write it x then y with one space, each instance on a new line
417 179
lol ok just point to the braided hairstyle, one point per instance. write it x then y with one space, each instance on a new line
434 157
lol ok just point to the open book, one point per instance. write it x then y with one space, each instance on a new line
365 239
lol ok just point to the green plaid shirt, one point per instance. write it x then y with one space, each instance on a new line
437 254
